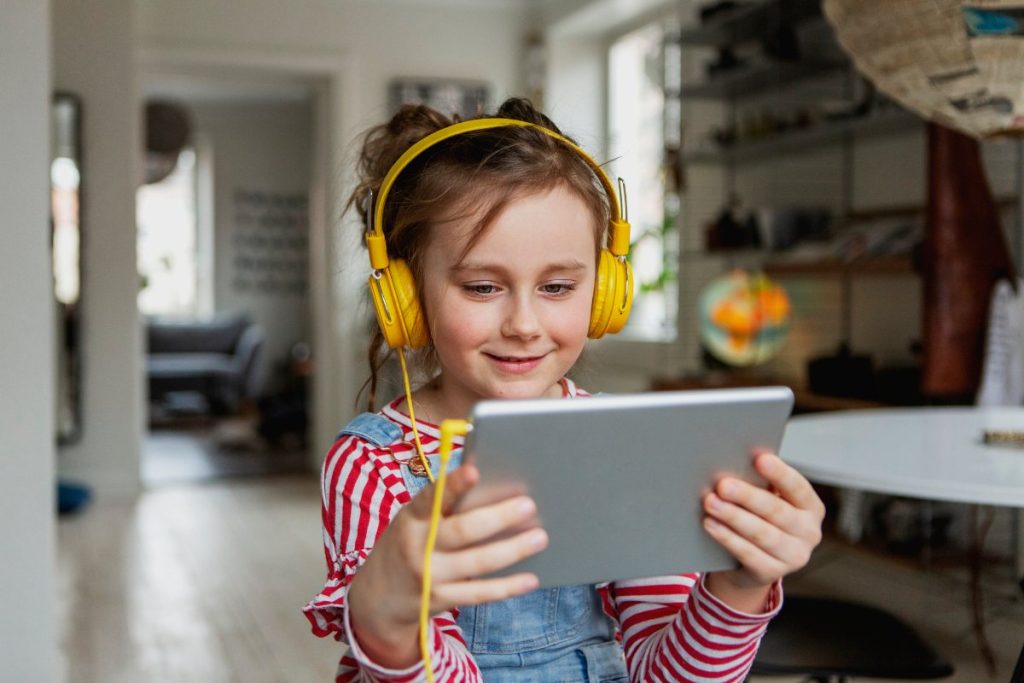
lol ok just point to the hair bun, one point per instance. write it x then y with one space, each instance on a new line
384 144
522 109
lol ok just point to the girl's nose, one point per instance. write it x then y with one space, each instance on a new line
521 319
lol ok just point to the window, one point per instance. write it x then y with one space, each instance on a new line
644 139
166 217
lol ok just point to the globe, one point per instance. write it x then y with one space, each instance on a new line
744 318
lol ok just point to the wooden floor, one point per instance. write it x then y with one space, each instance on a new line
204 584
197 584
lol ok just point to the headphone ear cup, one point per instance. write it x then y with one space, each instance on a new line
622 302
397 307
613 295
411 314
603 282
598 309
385 304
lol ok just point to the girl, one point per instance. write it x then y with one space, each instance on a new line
501 233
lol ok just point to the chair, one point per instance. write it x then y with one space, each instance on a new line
830 640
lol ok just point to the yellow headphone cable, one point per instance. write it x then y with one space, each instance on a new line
449 430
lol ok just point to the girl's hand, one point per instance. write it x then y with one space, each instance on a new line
770 532
384 597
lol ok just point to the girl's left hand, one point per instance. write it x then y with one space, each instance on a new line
770 532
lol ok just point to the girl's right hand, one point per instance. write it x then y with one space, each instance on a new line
384 596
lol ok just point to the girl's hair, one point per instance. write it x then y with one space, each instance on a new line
475 174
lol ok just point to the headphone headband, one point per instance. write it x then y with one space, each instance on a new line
375 240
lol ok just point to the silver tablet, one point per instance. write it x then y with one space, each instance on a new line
618 480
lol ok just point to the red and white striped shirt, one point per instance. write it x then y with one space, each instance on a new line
672 628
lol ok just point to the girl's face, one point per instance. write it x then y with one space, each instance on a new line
510 318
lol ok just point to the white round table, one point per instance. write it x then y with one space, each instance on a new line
930 453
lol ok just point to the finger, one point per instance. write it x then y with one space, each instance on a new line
762 503
479 524
759 532
762 566
457 484
489 557
789 483
478 591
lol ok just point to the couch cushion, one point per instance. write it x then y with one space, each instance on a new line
218 335
189 365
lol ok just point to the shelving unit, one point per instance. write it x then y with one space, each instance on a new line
892 121
756 21
764 93
755 78
752 21
748 21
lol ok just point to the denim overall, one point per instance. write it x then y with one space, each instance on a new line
554 635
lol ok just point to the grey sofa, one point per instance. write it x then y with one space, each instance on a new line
218 358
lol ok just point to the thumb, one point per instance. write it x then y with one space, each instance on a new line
457 484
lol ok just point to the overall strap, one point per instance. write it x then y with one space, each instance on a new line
374 428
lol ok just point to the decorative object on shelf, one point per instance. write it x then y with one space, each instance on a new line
955 63
787 226
728 231
744 318
845 374
448 96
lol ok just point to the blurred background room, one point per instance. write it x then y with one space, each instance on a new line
185 324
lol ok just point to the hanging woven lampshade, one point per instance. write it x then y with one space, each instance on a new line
960 64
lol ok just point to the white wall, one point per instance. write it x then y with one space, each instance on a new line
388 38
94 56
260 147
368 42
28 642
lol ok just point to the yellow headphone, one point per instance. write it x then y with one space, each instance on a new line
393 288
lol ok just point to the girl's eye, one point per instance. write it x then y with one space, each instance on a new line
480 289
558 288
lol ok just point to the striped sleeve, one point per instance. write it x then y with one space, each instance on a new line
673 629
362 491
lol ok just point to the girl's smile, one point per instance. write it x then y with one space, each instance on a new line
516 365
508 318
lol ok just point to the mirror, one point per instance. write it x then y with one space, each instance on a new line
66 242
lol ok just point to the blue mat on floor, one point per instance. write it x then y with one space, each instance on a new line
71 497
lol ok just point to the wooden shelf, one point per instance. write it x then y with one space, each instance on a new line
891 265
893 121
772 263
750 21
755 78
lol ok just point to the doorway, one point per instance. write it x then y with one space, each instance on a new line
224 260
